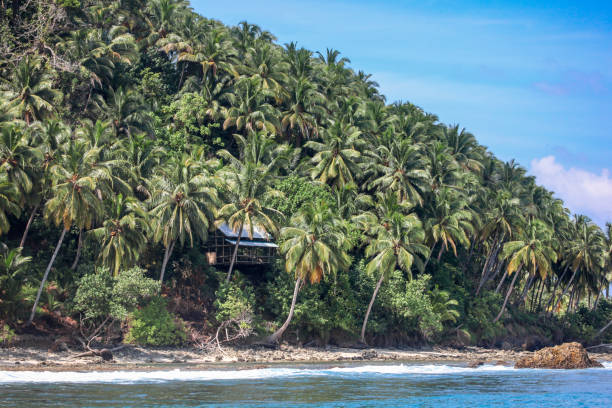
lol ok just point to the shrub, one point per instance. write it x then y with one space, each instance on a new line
102 298
154 325
6 334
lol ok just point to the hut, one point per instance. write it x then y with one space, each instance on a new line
258 250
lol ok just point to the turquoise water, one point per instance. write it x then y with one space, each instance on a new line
351 385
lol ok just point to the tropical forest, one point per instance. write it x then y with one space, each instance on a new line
133 132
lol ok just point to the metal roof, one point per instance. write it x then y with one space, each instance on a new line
257 244
258 233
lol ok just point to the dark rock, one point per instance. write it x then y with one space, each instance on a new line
475 364
106 355
369 354
507 346
565 356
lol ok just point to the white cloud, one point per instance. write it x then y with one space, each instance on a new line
582 191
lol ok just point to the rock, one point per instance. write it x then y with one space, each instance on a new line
369 354
501 363
106 355
565 356
475 364
506 346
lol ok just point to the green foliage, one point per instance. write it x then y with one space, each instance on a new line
235 303
6 334
479 318
584 324
154 325
299 191
100 295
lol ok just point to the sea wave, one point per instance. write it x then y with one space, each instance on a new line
127 377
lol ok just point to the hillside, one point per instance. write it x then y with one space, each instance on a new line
131 130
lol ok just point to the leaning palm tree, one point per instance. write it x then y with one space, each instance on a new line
122 234
30 92
534 253
313 247
336 160
247 186
80 181
398 243
183 204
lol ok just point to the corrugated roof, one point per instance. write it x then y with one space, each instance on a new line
257 244
258 233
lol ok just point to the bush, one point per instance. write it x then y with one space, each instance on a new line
154 325
6 334
102 298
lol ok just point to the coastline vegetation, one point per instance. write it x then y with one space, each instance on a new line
131 129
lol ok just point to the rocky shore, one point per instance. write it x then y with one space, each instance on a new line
132 358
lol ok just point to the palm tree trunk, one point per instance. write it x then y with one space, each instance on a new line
603 329
367 315
488 267
597 298
569 284
507 296
78 253
46 275
554 291
28 225
235 254
528 284
167 256
501 281
429 256
277 334
540 296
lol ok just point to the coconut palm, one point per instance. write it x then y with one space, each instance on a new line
80 182
399 167
9 203
336 158
313 247
449 221
249 110
305 104
29 92
122 234
398 243
533 254
247 187
183 204
585 252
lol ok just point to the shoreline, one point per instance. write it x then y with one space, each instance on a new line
141 358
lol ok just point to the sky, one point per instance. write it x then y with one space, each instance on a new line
530 79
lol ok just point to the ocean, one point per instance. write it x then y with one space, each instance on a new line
308 385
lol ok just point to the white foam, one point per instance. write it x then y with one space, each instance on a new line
127 377
420 369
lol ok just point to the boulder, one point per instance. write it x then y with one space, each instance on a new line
565 356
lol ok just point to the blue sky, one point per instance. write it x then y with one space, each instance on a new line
531 80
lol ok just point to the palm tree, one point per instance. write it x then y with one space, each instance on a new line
9 204
12 268
80 181
249 111
534 253
304 105
123 233
448 221
399 167
313 247
183 203
247 187
585 252
29 91
336 158
398 243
